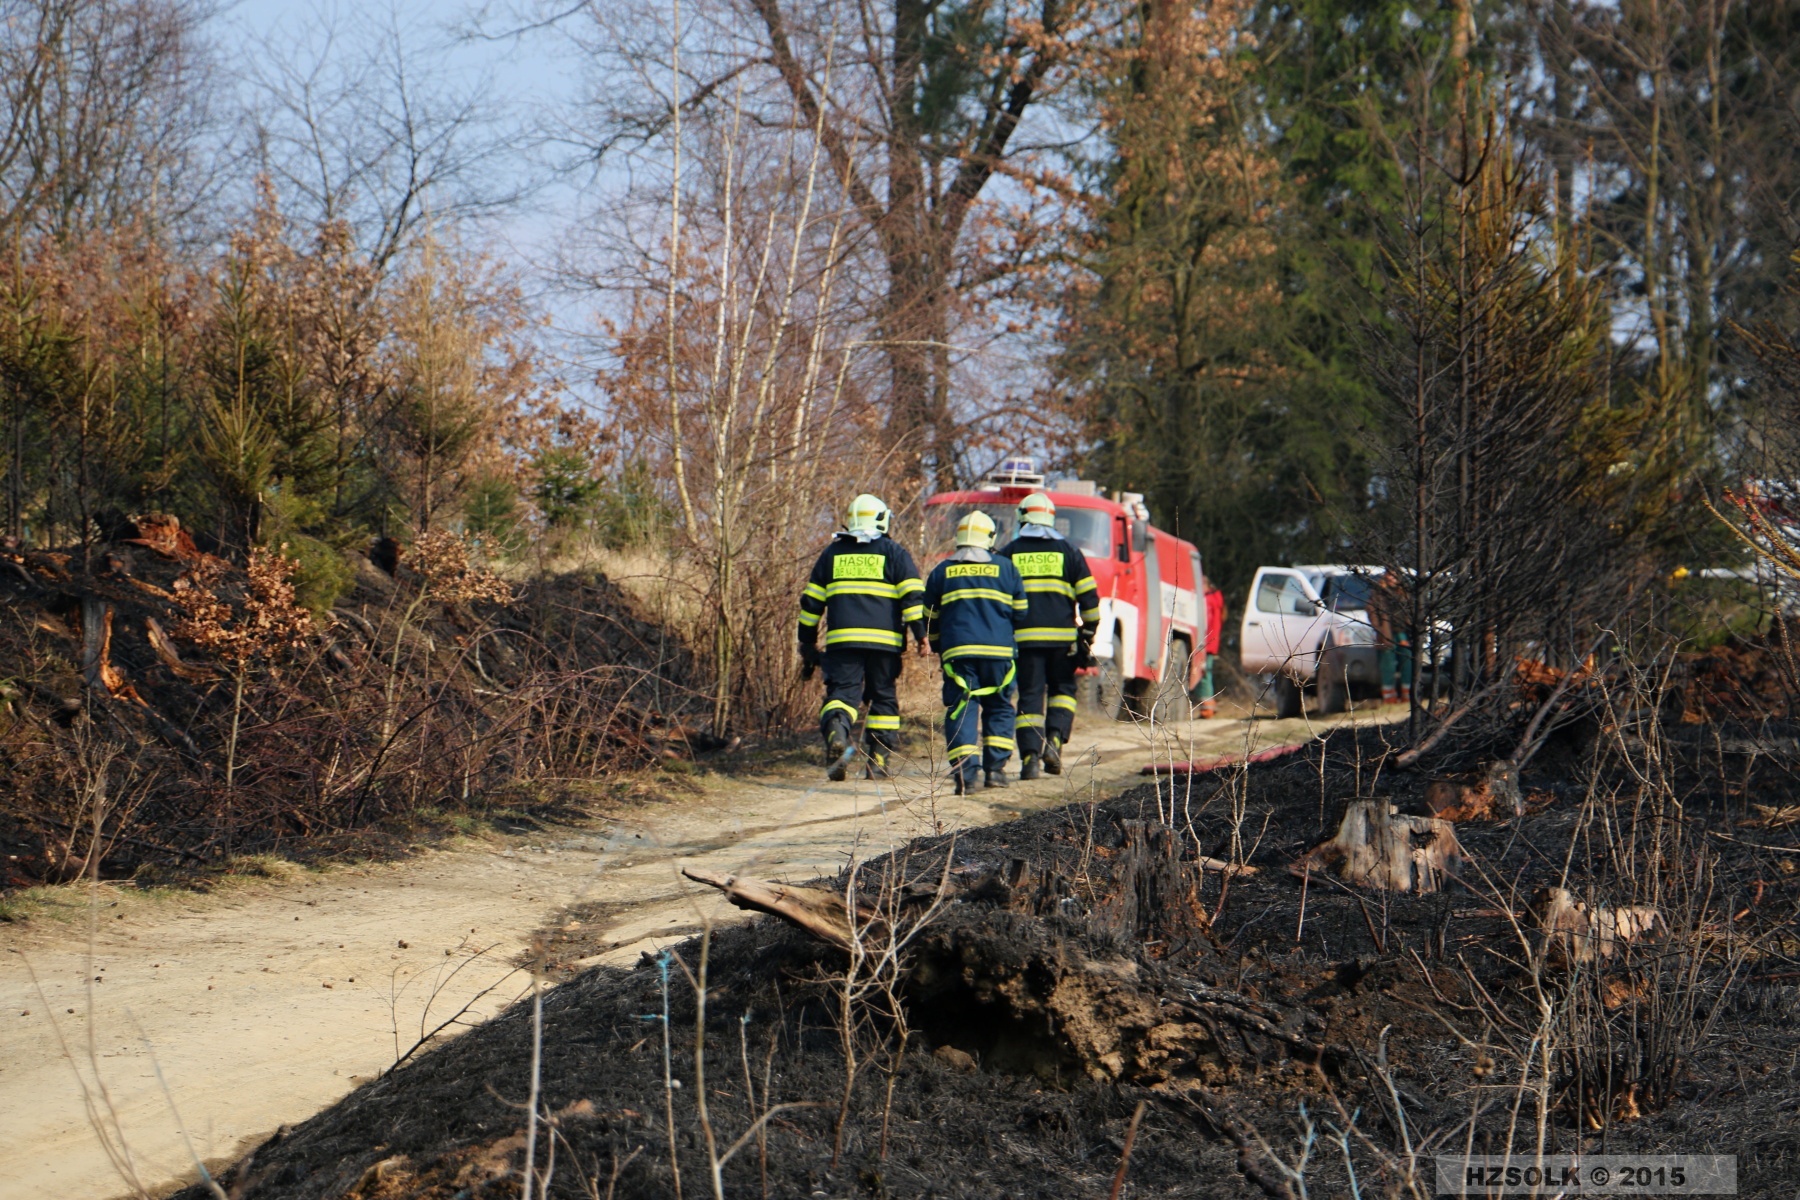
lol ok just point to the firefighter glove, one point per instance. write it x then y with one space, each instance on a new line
809 659
1083 653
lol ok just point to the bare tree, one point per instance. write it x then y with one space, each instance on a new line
1672 123
1515 493
738 371
917 106
105 116
371 124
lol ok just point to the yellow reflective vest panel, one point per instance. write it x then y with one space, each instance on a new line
1058 585
865 594
972 605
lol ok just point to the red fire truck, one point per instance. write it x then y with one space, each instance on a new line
1152 621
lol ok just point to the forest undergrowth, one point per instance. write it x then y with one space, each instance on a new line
167 714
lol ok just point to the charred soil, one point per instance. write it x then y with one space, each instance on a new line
1015 992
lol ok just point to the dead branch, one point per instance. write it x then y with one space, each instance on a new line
171 657
1408 757
1528 745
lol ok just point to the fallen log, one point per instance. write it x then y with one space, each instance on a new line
1021 995
823 914
1574 933
1018 994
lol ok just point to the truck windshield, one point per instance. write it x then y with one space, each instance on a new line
1088 528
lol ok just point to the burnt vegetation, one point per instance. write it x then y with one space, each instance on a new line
168 713
1005 1011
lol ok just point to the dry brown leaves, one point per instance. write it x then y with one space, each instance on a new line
451 576
265 622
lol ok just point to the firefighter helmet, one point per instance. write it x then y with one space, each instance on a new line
975 529
867 515
1037 509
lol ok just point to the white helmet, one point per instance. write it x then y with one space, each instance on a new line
975 529
1037 509
867 515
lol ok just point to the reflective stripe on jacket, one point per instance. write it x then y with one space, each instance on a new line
1057 584
972 604
868 594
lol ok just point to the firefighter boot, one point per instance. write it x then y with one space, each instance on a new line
878 766
996 779
1053 754
1390 695
839 750
1208 710
1030 767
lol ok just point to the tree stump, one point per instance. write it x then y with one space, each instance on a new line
1378 846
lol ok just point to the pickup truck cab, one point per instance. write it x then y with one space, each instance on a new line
1309 627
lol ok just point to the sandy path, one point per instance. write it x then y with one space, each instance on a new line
267 1002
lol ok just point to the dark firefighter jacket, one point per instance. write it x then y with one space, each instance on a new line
1057 583
868 593
972 601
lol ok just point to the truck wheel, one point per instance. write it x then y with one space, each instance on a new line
1334 684
1106 693
1170 697
1287 697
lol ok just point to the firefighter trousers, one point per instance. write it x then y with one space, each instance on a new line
978 714
853 677
1045 673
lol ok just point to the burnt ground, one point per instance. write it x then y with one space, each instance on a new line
1086 962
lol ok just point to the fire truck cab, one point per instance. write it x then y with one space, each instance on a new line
1152 621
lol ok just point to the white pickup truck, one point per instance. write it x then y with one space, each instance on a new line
1308 627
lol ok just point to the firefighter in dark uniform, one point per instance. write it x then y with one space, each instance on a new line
1051 646
973 599
869 592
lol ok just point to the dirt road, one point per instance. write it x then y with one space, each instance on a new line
231 1014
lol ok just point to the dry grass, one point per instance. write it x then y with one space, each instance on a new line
662 583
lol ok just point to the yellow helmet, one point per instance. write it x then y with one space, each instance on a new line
1037 509
867 514
975 529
